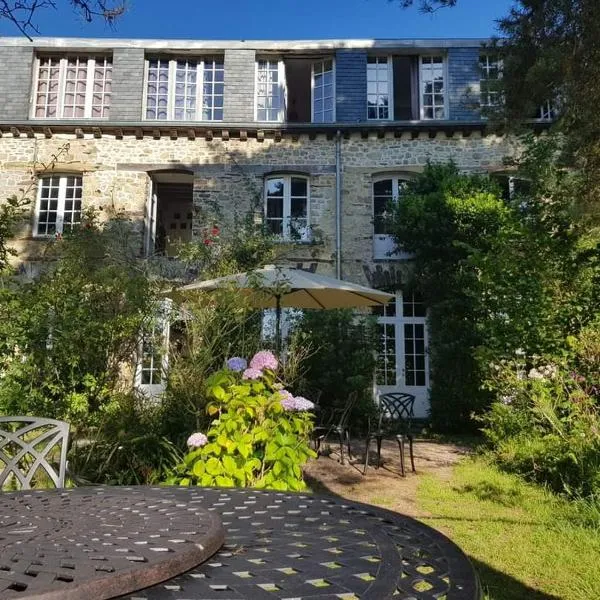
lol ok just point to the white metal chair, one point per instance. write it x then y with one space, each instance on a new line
32 447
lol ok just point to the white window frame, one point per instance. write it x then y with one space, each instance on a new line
287 205
60 209
172 70
163 323
485 70
312 89
383 242
89 87
282 89
390 79
445 87
547 111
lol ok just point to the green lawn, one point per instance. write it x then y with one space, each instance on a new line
524 542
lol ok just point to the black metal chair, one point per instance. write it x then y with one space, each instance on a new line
338 422
394 420
33 448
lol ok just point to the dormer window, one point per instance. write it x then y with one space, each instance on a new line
184 89
73 87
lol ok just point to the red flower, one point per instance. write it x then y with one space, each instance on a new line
207 242
215 231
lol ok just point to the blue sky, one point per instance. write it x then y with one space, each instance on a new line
277 19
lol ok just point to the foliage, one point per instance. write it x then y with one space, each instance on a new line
11 212
551 53
65 337
127 447
523 541
545 423
498 275
343 345
259 436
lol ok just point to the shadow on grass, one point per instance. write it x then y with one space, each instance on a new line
496 584
490 492
500 586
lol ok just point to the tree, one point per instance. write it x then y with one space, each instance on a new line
551 52
428 6
24 13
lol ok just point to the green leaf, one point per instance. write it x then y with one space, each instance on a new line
213 466
198 468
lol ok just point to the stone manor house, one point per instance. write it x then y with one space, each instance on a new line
317 137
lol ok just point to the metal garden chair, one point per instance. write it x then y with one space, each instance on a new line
394 421
33 448
338 423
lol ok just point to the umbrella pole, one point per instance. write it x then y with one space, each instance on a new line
278 325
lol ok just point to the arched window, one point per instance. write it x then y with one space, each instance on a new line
387 190
287 207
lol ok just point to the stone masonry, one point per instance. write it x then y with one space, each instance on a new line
117 176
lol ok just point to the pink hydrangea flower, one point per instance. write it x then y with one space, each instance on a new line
197 440
298 403
264 360
252 373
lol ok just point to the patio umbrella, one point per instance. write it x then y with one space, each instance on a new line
284 287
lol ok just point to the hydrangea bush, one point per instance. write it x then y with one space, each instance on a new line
260 433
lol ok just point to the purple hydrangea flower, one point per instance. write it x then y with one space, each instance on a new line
237 364
264 360
251 373
197 440
297 403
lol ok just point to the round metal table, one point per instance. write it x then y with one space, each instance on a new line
277 546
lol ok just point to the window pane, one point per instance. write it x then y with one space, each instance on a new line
47 87
432 86
213 89
323 94
268 97
378 88
59 201
157 91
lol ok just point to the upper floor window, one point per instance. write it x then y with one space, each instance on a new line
323 91
490 74
73 87
184 90
286 207
270 90
433 89
379 80
58 204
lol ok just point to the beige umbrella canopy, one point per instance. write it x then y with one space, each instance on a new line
283 287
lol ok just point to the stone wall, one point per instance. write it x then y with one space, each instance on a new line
230 175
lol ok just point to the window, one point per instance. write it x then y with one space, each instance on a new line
379 81
323 92
547 111
402 361
433 93
184 90
270 86
58 204
491 73
151 371
286 207
73 87
386 190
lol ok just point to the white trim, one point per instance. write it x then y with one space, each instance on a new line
162 321
287 202
60 204
62 79
172 87
281 80
444 87
312 89
390 81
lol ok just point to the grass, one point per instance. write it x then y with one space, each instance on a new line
524 542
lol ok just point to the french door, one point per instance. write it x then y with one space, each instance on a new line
402 357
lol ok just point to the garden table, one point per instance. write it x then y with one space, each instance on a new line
166 543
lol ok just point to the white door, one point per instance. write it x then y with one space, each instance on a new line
402 360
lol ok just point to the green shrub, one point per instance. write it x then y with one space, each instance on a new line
259 436
546 422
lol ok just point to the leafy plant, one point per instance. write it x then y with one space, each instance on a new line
259 436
